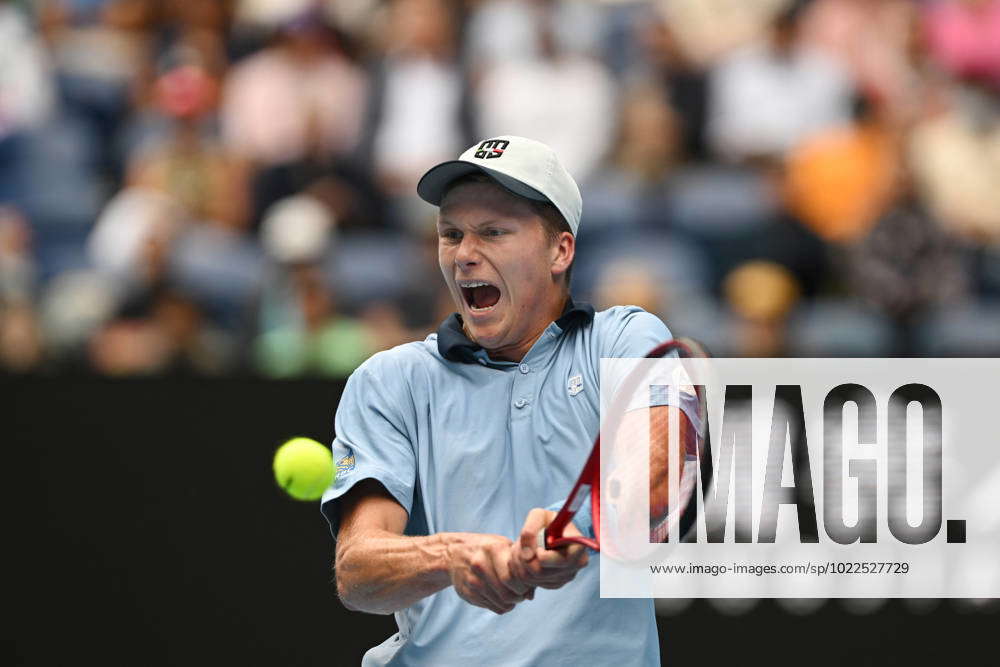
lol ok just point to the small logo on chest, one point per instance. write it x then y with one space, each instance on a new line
574 385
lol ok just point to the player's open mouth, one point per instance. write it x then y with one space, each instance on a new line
480 296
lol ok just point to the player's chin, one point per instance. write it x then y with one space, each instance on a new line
487 332
484 335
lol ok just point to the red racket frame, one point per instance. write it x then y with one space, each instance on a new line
552 536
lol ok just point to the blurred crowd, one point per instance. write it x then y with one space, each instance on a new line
228 186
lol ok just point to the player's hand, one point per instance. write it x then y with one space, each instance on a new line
479 566
547 568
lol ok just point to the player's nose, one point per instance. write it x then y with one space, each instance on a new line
467 253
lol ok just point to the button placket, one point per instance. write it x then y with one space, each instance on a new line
523 387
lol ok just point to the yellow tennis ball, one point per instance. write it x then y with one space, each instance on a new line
303 468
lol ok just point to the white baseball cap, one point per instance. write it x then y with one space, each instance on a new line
526 167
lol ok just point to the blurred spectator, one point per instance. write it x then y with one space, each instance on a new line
26 90
501 31
307 335
61 189
21 348
665 272
17 266
182 83
222 271
964 37
21 342
664 276
296 109
633 283
298 230
127 347
906 264
388 326
353 16
160 331
684 81
264 15
371 269
631 189
195 171
299 93
27 95
840 180
194 16
761 294
329 172
132 238
302 331
956 161
873 39
74 306
646 146
421 109
201 251
142 319
766 98
708 29
342 185
99 49
735 214
562 97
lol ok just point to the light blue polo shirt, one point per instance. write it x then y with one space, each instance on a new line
468 444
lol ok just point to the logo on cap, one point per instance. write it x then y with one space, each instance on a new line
491 148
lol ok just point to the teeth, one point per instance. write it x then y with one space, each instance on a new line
469 284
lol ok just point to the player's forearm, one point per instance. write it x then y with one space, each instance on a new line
380 572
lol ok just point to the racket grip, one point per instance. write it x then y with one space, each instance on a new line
541 539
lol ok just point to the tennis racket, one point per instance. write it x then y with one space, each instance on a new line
627 414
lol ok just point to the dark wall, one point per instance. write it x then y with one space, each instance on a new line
147 530
154 534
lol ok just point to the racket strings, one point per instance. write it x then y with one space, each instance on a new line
655 455
650 471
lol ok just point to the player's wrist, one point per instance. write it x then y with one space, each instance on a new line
449 546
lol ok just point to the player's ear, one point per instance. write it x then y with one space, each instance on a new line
563 251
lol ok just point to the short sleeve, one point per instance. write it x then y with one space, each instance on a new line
371 439
631 332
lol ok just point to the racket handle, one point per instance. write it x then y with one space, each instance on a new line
565 541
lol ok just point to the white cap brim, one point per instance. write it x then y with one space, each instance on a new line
435 182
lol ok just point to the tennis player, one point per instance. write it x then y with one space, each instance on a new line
453 452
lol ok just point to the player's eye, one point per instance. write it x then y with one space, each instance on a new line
494 232
451 235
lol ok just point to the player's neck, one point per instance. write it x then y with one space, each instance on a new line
517 351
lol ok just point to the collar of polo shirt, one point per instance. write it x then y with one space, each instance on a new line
454 345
